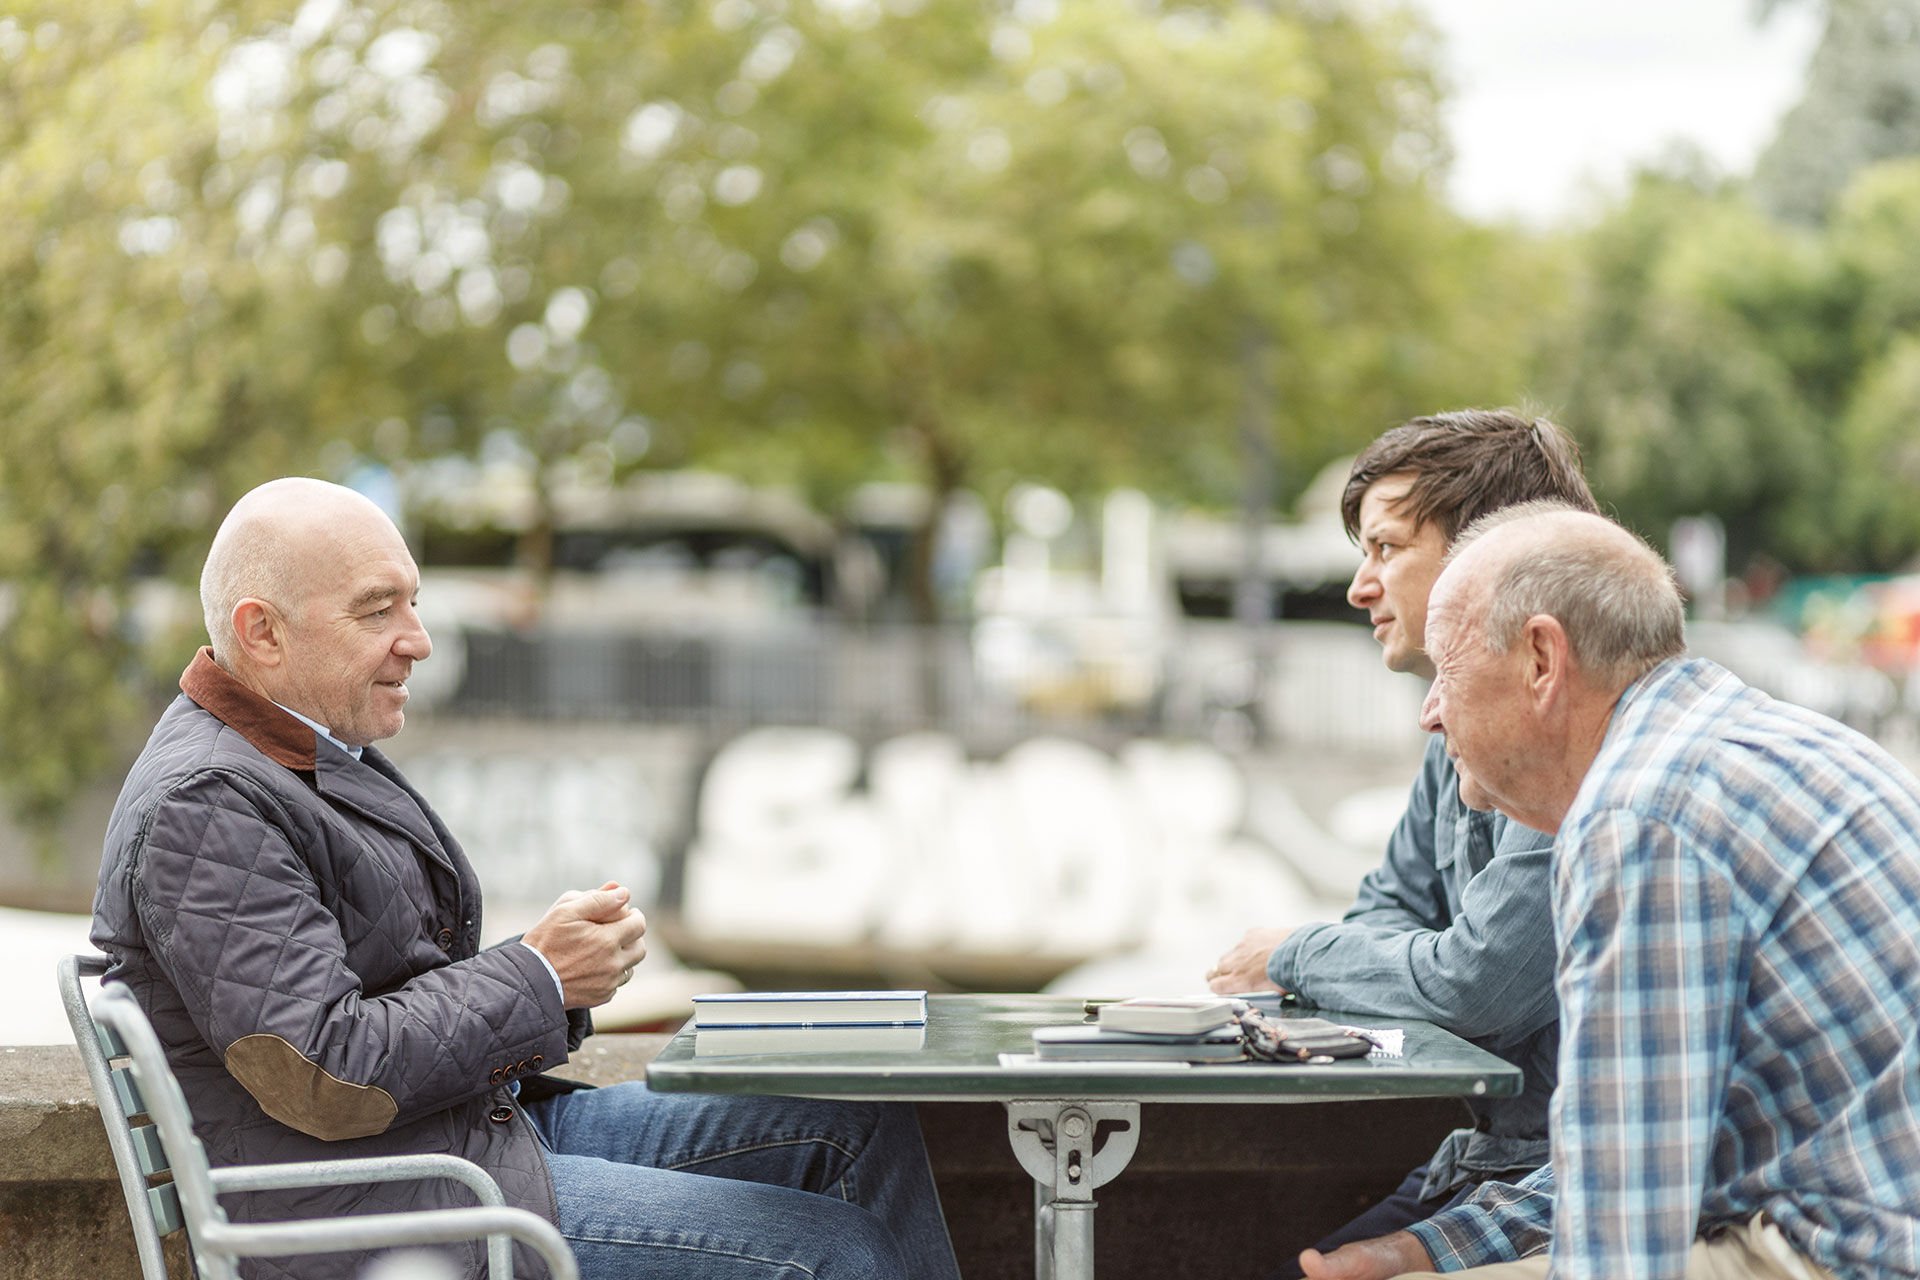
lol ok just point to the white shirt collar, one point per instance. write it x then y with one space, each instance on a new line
320 729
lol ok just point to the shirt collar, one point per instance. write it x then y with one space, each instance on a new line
320 729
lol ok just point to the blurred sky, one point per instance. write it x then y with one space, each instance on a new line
1550 100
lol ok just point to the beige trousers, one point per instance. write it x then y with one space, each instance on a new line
1756 1251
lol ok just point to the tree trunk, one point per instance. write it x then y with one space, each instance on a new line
944 471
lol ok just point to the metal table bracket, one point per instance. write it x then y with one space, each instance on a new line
1069 1148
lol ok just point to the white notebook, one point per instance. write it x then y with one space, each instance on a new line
809 1009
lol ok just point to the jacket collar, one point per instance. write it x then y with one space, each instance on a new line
292 744
278 736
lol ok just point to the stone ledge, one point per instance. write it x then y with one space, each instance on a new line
50 1125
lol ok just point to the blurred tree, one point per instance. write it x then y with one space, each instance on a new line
1875 239
1861 105
1719 361
1705 354
808 243
817 244
1043 256
147 368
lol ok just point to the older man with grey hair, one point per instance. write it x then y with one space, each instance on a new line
1737 908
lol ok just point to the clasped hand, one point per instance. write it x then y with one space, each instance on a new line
593 939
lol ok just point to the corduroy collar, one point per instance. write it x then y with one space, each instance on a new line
279 737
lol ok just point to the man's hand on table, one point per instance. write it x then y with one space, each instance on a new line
1375 1259
593 940
1244 966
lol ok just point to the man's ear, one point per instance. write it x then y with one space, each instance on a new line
259 632
1549 657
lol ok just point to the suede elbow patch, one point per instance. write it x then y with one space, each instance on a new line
302 1095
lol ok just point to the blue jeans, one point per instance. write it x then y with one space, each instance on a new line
699 1186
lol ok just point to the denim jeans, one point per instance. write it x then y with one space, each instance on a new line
699 1186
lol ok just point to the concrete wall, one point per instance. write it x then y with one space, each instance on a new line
1214 1190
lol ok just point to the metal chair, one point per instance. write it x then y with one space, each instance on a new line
131 1080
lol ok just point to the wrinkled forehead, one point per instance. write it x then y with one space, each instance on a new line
1450 606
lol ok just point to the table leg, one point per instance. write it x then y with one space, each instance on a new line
1042 1231
1069 1148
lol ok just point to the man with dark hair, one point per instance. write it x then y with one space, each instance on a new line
1737 901
304 933
1459 466
1453 926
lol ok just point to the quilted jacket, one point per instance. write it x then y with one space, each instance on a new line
303 932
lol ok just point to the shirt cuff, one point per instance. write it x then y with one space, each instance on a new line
1461 1237
1280 963
548 966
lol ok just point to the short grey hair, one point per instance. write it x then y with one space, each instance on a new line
1615 596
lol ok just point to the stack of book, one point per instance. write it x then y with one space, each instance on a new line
809 1022
1148 1029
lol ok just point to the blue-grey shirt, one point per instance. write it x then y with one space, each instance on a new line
1455 927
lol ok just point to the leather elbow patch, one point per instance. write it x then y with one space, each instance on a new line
302 1095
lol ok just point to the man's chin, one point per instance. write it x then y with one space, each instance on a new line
1476 799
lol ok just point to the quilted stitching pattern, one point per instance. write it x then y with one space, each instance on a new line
239 897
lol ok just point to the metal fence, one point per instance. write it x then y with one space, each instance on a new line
1306 684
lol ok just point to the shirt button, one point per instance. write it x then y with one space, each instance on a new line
500 1115
445 939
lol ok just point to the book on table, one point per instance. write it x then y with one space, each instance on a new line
809 1009
1087 1042
1178 1015
891 1037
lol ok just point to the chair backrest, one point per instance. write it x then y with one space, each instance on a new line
153 1207
126 1031
151 1130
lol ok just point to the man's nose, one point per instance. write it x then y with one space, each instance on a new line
1430 710
1363 587
413 641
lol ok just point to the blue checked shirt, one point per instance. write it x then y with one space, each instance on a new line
1455 927
1737 902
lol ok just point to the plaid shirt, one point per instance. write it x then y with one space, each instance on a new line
1737 902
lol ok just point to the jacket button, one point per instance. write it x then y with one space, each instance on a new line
445 939
536 1060
496 1075
520 1067
500 1115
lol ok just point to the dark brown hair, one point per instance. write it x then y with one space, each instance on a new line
1467 463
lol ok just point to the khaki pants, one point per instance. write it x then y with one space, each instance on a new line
1756 1251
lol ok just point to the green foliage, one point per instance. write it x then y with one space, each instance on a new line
1860 106
1081 242
144 370
1719 361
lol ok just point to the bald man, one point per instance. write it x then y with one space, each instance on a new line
1737 907
303 931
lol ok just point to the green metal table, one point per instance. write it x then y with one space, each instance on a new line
1073 1125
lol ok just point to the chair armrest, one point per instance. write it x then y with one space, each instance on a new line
396 1168
379 1230
335 1173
